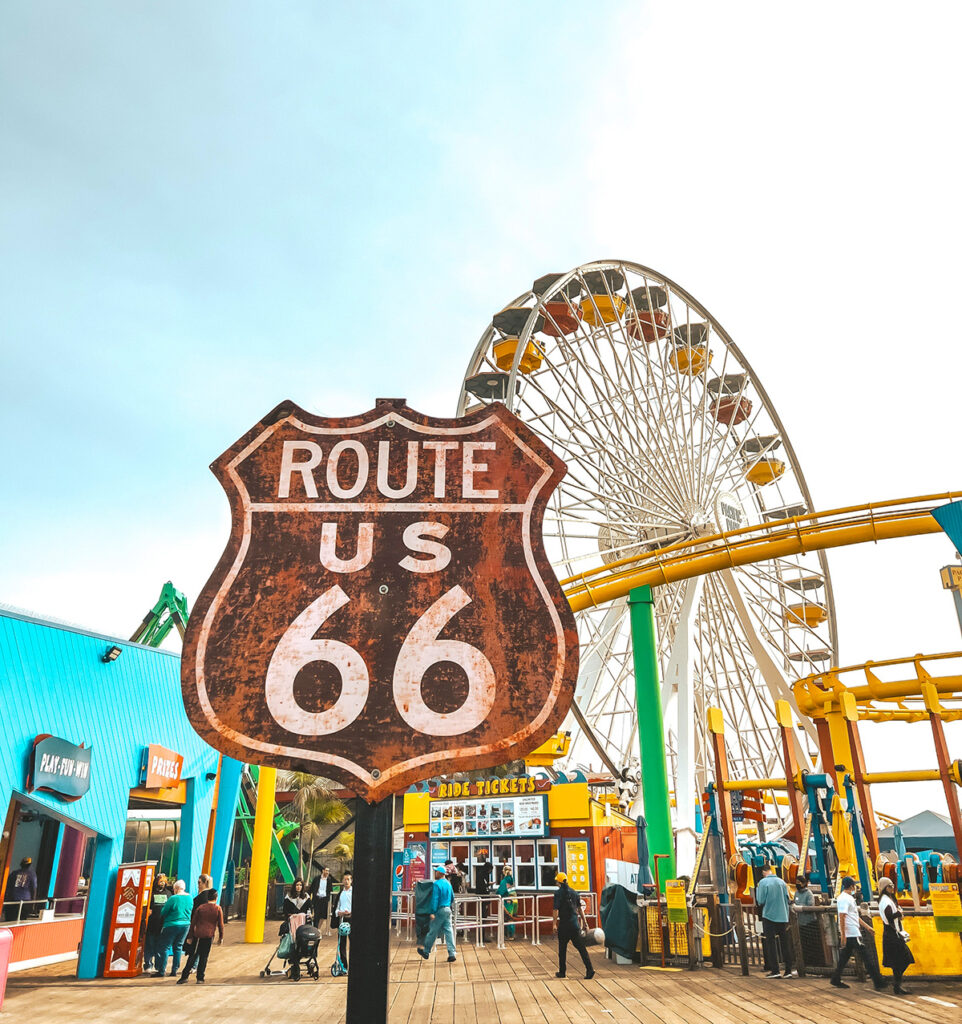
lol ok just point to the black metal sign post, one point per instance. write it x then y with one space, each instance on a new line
367 976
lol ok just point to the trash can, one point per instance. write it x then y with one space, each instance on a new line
6 947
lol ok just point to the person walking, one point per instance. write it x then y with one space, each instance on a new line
569 919
482 887
159 894
345 903
175 923
807 923
453 874
320 892
204 890
297 910
850 937
442 900
771 898
206 921
509 902
896 954
22 888
297 901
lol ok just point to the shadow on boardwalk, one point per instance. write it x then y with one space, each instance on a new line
486 986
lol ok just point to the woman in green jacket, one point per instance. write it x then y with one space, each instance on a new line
174 924
507 892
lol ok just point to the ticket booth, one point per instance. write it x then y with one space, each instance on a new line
536 826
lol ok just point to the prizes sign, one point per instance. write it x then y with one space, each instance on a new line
385 610
160 767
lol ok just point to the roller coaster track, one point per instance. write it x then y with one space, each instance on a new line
815 531
895 700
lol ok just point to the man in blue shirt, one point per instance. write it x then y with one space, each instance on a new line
771 898
441 906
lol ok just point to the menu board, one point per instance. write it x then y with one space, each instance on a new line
512 816
576 864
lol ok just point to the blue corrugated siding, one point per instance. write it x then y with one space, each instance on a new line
52 680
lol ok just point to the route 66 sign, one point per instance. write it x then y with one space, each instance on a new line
384 610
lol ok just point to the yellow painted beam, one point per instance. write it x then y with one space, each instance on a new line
260 855
740 784
920 775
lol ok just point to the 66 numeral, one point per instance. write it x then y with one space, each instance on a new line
421 649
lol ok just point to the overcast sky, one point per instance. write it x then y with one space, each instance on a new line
208 207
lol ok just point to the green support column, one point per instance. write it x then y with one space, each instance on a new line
651 730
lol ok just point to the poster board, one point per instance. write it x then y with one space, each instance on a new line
677 900
946 906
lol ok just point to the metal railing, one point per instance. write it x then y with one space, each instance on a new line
33 911
483 920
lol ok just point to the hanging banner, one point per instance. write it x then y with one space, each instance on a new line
59 767
385 610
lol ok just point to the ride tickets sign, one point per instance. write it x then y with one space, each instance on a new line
490 787
384 610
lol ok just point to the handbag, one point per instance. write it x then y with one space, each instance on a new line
344 928
285 946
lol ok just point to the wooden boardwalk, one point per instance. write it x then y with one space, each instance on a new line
486 986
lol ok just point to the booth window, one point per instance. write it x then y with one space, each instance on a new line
460 854
548 862
503 851
524 860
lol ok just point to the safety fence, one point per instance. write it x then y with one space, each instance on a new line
731 934
484 920
21 911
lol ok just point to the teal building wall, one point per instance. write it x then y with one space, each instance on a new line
54 680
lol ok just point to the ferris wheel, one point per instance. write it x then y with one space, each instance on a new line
669 436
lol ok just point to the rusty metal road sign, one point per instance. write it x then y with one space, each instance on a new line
384 610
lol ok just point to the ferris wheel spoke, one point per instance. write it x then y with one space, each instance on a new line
578 428
748 694
617 438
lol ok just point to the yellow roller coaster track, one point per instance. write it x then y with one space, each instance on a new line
815 531
897 700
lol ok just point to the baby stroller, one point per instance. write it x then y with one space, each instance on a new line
293 949
306 940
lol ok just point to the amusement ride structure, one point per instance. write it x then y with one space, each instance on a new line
681 477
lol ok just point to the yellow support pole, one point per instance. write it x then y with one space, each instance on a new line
837 715
260 855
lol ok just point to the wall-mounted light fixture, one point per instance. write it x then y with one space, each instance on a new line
112 654
210 776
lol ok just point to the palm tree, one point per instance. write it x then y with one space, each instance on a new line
315 805
343 850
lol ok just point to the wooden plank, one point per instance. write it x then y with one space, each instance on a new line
485 986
